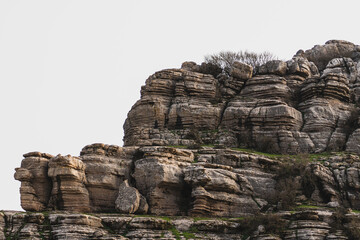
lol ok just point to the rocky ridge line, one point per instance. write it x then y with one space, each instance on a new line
204 186
307 104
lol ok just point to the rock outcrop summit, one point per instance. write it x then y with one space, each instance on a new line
265 154
308 104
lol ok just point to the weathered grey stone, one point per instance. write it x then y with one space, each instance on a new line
128 200
68 184
322 54
35 184
107 166
277 67
241 70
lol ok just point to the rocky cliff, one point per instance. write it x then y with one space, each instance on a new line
188 169
307 104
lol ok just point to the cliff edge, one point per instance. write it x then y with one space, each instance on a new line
209 155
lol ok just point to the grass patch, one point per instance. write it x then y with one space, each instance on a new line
355 211
176 233
308 207
188 235
201 218
317 156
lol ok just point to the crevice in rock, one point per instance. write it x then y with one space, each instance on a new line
138 155
346 66
331 134
248 125
8 226
238 93
343 195
347 188
303 121
172 97
222 113
256 202
59 199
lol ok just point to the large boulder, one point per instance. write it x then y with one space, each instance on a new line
129 200
322 54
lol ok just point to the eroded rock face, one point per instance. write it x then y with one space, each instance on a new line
302 105
159 177
173 99
159 180
107 166
335 182
68 184
322 54
223 186
307 224
308 104
36 186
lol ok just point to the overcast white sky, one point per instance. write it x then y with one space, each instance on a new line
71 70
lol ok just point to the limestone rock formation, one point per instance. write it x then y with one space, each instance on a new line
301 225
68 184
306 104
107 166
189 159
35 183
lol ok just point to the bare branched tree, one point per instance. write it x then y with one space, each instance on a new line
225 59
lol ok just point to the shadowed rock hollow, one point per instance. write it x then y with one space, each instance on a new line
187 157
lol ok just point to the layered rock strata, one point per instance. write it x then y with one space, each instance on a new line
300 225
182 159
307 104
171 181
36 185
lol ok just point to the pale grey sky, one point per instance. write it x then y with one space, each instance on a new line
71 70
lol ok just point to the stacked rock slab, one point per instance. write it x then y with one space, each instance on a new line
224 184
68 184
159 180
301 105
205 182
35 183
107 166
159 176
295 225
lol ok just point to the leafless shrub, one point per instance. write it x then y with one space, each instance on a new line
226 59
288 181
350 226
266 144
